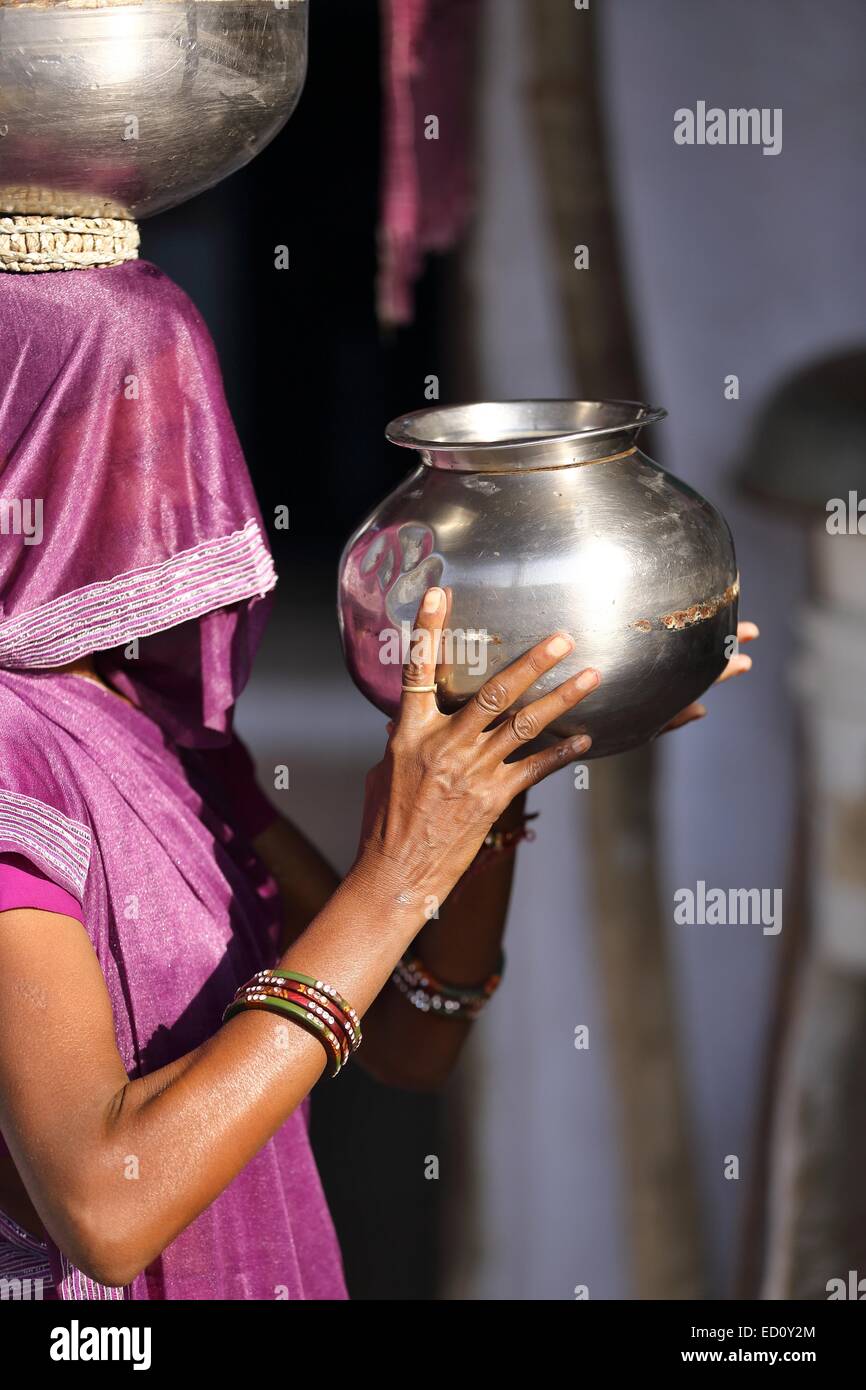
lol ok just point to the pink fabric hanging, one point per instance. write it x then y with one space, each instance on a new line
429 55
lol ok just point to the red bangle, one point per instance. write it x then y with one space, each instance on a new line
320 991
500 842
329 1016
425 992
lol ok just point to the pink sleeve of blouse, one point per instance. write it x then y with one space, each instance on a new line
23 885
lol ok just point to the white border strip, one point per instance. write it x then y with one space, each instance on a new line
48 836
140 602
77 1286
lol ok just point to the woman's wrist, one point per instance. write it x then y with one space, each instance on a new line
406 879
393 889
361 932
514 814
401 887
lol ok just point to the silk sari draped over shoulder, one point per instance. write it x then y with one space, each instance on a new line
129 530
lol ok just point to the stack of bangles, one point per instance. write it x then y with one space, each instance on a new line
312 1004
318 1008
422 989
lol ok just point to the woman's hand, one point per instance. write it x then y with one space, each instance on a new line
444 780
738 665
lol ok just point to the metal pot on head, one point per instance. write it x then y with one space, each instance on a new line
118 110
537 516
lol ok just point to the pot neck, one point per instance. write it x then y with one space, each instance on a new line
531 457
519 436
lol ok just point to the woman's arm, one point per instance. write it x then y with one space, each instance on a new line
403 1046
75 1123
117 1168
463 946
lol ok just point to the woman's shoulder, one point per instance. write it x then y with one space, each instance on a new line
43 811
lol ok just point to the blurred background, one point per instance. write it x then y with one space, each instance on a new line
710 1141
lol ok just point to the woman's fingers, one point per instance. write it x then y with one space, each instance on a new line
685 716
418 700
500 691
740 663
737 666
526 724
528 772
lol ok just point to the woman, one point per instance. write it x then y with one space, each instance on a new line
153 1074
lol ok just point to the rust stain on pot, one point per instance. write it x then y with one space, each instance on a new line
682 618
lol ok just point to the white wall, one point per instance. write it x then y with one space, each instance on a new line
740 263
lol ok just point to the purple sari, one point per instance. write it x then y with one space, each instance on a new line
152 555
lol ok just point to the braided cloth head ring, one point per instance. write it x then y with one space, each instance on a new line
43 242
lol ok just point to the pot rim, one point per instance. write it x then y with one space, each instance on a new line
408 431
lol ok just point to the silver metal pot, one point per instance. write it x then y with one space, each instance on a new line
536 516
110 109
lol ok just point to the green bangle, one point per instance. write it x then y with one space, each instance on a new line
416 972
431 995
318 990
323 988
308 1021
